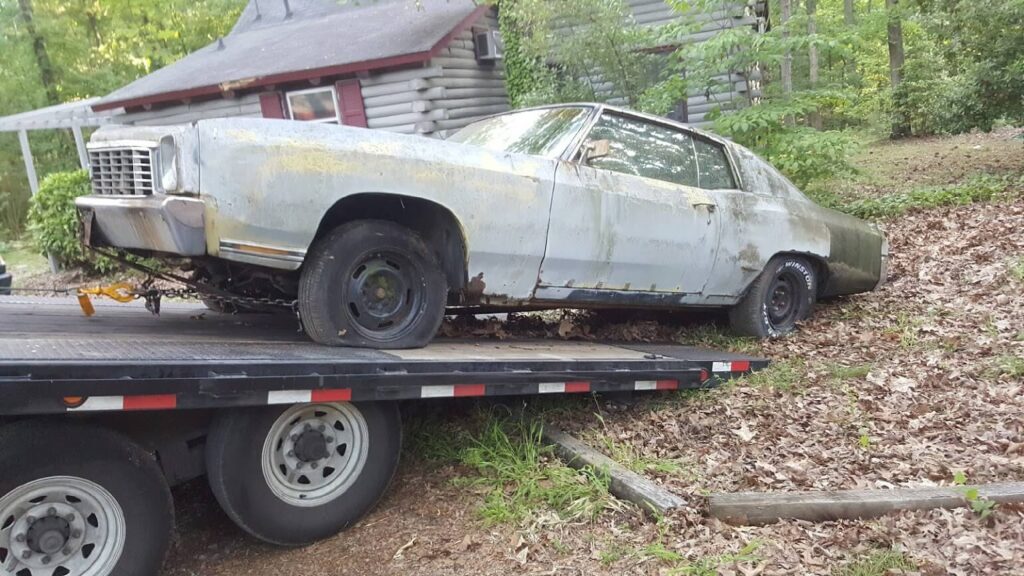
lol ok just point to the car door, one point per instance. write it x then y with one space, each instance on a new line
633 222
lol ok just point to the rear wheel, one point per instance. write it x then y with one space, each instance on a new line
781 296
79 501
295 475
374 284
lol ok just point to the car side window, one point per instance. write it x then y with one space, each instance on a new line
713 163
644 149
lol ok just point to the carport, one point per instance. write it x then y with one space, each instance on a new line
71 116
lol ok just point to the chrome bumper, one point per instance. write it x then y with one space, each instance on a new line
158 223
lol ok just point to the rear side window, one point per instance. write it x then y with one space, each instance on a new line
713 166
643 149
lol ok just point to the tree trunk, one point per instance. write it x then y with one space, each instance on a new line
900 126
849 18
785 12
812 74
46 74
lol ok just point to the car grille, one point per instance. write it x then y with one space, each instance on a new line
124 171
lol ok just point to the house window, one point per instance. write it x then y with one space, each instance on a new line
314 105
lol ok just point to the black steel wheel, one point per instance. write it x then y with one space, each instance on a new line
374 284
781 296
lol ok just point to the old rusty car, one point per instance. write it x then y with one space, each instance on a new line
570 206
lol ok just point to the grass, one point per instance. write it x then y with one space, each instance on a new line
627 455
781 375
1017 269
1010 365
981 188
520 477
712 336
878 563
22 259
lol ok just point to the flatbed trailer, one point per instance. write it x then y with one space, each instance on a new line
100 415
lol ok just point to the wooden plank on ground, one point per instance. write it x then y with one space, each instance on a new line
767 507
625 484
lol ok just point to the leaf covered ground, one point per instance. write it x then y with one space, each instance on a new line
920 384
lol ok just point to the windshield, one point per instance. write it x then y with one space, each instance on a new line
543 132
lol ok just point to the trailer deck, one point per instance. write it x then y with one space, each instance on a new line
53 359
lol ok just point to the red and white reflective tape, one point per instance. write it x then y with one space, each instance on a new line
126 403
307 396
574 387
734 366
656 385
452 391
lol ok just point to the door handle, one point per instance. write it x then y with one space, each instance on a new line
710 205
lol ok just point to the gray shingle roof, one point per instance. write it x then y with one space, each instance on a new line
319 34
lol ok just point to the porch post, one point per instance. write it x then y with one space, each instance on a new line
33 181
83 156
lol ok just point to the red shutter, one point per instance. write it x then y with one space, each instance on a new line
271 105
350 99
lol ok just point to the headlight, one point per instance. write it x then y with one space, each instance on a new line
168 164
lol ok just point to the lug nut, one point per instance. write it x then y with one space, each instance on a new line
66 551
19 538
51 511
26 554
308 427
295 437
314 465
46 559
329 439
298 466
321 428
70 518
76 533
30 519
291 453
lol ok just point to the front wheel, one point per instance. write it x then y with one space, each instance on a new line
781 296
291 476
79 501
372 284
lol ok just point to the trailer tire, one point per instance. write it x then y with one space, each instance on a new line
372 284
105 509
257 458
782 295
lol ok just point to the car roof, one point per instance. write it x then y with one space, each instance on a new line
624 111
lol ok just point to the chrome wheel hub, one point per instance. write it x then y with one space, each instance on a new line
313 453
60 525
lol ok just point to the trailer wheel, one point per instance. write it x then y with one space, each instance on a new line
79 501
781 296
372 283
291 476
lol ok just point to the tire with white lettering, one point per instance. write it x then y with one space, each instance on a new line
781 296
78 500
372 284
292 475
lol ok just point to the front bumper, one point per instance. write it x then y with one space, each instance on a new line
158 223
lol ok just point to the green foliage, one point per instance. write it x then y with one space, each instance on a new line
93 48
878 563
53 220
521 477
568 50
978 189
1017 269
983 507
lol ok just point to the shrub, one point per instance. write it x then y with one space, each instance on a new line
54 225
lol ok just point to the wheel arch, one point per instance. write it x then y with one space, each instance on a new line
436 223
818 262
